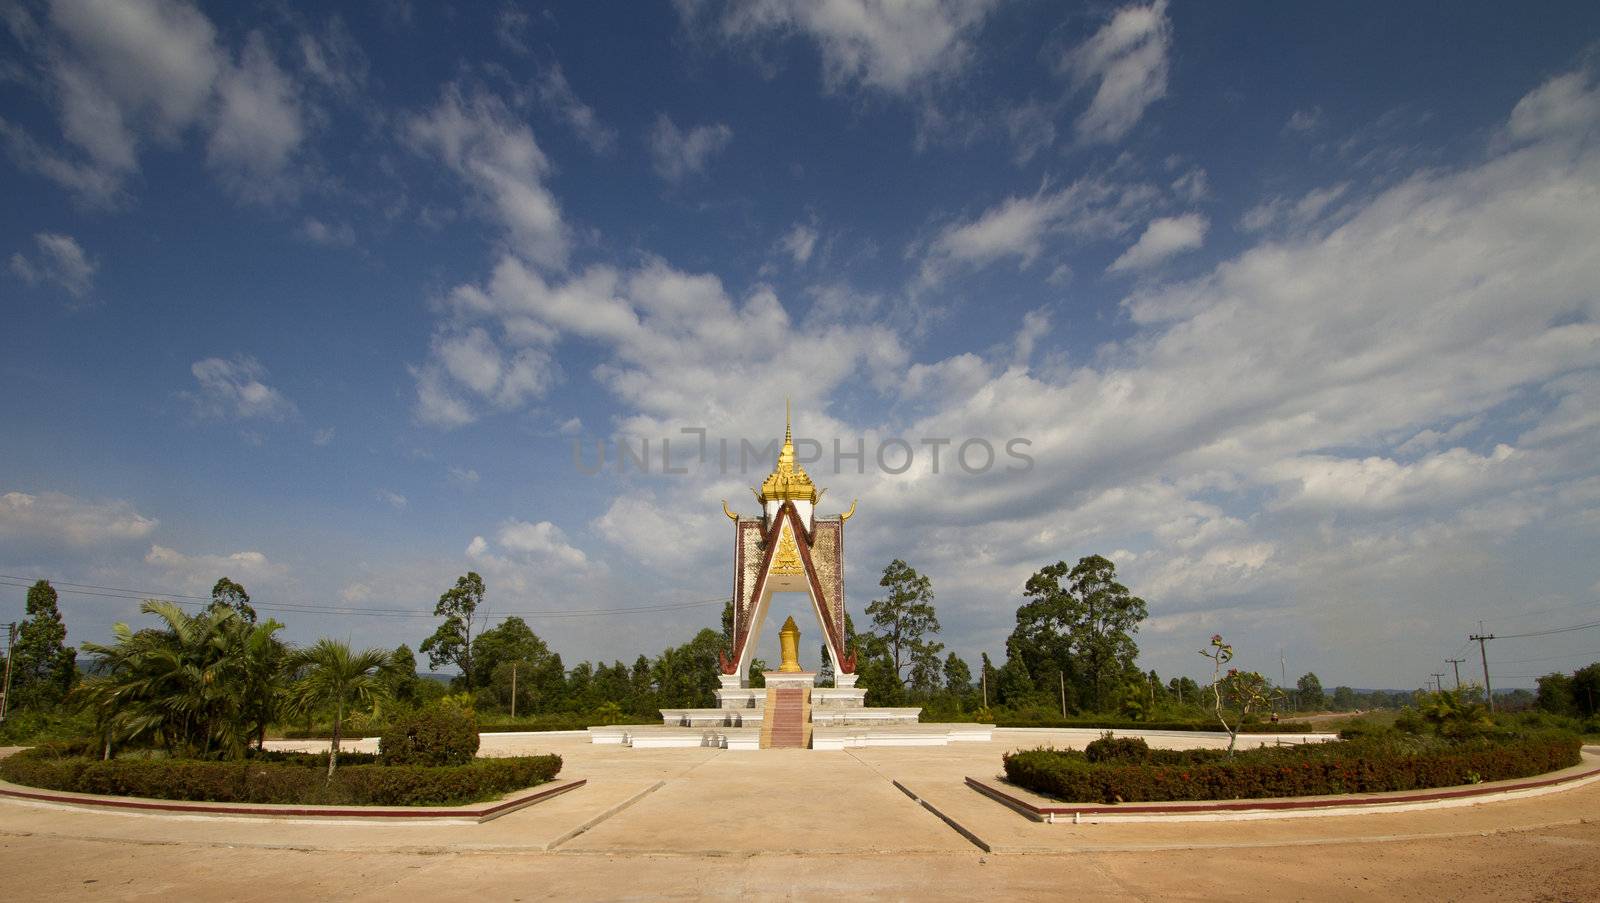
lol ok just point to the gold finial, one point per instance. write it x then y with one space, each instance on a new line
731 516
848 514
788 481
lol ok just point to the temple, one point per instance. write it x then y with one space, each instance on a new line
788 547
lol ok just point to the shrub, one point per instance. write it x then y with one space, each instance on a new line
440 735
1365 765
1117 749
281 778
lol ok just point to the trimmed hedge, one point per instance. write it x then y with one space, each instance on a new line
437 736
1312 769
282 778
1263 727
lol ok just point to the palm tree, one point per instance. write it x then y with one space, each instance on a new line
331 673
202 685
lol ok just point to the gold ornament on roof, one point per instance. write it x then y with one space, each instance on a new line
787 562
789 482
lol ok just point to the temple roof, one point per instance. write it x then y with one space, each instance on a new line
789 481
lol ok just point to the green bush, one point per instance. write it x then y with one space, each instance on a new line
1117 749
296 778
1366 765
440 735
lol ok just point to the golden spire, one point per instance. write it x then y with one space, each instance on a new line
788 481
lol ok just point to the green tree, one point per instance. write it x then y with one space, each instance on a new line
1309 693
43 667
400 670
1344 699
957 676
452 642
1082 629
202 685
330 673
512 642
905 621
227 594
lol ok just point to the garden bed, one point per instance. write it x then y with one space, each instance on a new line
1366 765
285 778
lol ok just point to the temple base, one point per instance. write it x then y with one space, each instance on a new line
834 718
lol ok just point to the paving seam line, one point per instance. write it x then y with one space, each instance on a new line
605 815
961 829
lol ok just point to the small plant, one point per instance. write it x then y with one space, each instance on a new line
1243 691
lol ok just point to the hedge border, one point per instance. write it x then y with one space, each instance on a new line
479 813
285 781
1334 804
1287 772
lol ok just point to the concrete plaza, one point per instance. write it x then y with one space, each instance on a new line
804 824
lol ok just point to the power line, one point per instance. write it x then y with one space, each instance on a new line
1548 658
114 592
1551 632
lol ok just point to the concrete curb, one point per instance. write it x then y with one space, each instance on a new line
1286 807
472 814
961 829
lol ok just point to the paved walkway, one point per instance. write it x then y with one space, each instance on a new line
804 824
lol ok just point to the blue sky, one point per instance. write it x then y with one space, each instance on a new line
1296 308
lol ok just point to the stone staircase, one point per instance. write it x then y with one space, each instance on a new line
787 721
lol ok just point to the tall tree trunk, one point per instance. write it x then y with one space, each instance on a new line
333 749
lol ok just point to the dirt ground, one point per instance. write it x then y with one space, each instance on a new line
798 824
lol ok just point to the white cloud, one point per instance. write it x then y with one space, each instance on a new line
1020 226
258 124
1127 61
126 73
391 498
61 261
235 389
483 142
679 154
1032 128
57 517
1324 482
557 94
892 47
469 363
1303 121
463 476
543 539
323 436
1193 186
799 242
197 573
1292 212
1161 239
329 235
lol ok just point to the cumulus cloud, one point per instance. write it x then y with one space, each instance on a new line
57 517
679 154
196 573
236 390
890 47
491 150
1162 239
123 74
59 261
1127 63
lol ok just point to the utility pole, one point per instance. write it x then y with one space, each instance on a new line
985 686
1063 676
1438 681
1456 663
513 691
1481 639
1283 677
5 695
